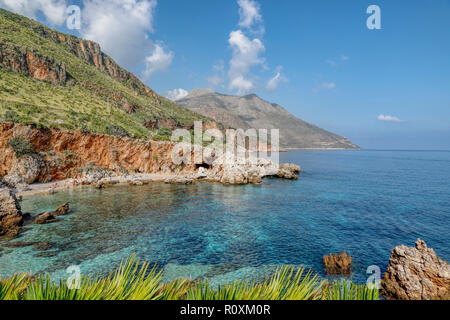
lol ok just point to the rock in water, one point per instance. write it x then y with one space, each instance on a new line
45 218
62 210
11 218
416 274
340 264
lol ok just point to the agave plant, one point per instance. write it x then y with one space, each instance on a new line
136 280
285 284
346 290
12 288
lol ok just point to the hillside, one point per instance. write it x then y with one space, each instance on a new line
253 112
55 80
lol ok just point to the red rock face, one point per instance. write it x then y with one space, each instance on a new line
36 66
111 152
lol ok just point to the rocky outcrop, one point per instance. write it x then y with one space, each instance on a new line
338 264
288 171
35 65
416 274
25 170
11 219
227 170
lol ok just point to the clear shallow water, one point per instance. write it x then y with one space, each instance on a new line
364 202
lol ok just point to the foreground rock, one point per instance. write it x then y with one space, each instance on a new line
416 274
340 264
11 219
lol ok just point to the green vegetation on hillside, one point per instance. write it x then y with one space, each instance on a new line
137 281
90 100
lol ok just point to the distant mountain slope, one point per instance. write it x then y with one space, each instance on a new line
57 80
253 112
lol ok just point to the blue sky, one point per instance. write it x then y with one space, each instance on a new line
385 89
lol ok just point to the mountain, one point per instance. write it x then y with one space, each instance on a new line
252 112
55 80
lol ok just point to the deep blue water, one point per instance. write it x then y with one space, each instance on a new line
364 202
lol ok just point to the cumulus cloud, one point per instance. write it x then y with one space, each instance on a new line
386 118
176 94
249 13
53 10
121 27
273 82
159 60
246 54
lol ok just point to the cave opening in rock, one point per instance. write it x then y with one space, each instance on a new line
203 165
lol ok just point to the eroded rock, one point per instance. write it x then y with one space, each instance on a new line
416 274
24 171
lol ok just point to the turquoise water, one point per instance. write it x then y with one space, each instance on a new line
364 202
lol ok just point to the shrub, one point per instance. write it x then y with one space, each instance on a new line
164 132
11 116
21 147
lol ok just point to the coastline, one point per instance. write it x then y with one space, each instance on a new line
55 186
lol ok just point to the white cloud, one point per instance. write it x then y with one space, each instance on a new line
386 118
249 13
159 60
121 27
176 94
273 83
53 10
246 54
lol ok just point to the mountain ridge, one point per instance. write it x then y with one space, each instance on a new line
250 111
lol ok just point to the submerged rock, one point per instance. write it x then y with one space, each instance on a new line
179 180
19 244
43 246
11 219
416 274
340 264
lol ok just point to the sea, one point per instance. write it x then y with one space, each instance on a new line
364 202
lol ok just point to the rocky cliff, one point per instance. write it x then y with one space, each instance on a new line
28 62
60 154
32 155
